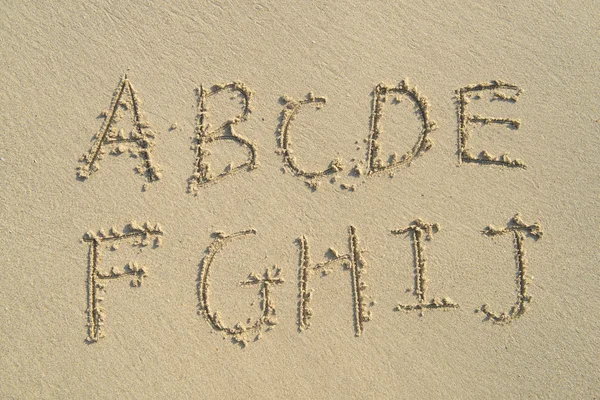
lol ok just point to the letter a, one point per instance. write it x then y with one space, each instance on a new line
138 142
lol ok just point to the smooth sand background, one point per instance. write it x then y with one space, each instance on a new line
59 67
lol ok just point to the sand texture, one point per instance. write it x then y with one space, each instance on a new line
267 199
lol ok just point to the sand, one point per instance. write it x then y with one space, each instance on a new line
299 200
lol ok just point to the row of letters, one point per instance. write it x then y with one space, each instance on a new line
140 141
149 235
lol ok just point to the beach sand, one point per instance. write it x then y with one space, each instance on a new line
351 290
